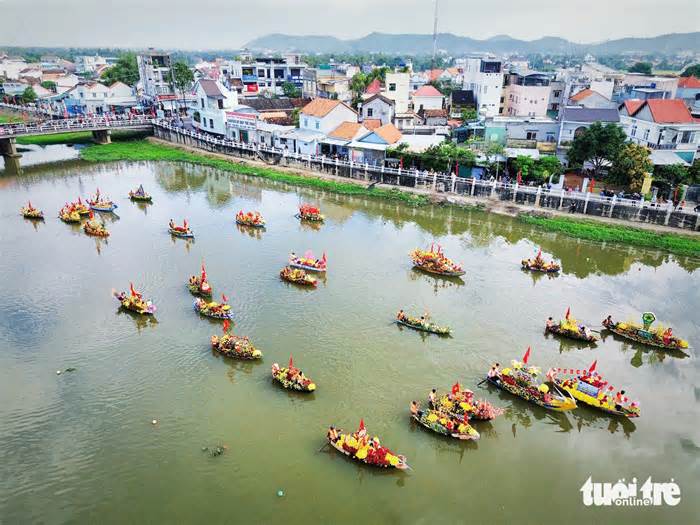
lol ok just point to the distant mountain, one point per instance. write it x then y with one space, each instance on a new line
414 44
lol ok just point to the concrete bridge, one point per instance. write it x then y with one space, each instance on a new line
101 128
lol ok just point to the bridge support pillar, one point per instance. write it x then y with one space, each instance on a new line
8 147
102 136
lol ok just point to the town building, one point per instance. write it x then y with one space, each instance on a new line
155 76
378 107
461 100
324 115
213 100
484 77
10 67
526 94
662 124
427 97
396 88
94 98
588 98
371 148
573 120
688 90
269 74
89 63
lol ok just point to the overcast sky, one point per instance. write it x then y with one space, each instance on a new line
203 24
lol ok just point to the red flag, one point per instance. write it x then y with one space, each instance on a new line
324 259
131 289
184 224
432 247
455 388
527 355
204 274
520 177
223 296
362 424
539 253
227 325
401 163
592 367
30 205
79 201
92 215
592 185
568 313
291 362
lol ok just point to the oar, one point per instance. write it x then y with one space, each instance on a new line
324 446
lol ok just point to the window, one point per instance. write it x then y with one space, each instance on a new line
370 112
549 136
646 134
306 123
556 94
392 87
633 132
202 100
211 123
317 124
530 135
220 103
686 137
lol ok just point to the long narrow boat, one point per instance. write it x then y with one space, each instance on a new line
95 228
570 328
185 234
436 262
307 212
463 402
308 262
438 422
358 448
252 219
643 334
103 206
292 378
423 326
589 388
538 264
30 212
234 346
522 381
297 276
200 285
213 309
135 302
140 195
70 216
79 207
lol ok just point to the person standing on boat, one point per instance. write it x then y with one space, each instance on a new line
619 398
550 322
401 316
415 409
432 397
495 373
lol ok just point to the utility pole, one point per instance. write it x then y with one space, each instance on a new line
435 24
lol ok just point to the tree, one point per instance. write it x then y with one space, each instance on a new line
599 144
493 151
631 165
524 165
181 78
641 67
545 167
691 71
291 90
28 95
49 84
124 70
469 115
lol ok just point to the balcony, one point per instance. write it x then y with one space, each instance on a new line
249 79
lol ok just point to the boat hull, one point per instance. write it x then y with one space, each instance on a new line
140 198
445 432
182 235
401 466
643 341
422 328
561 405
437 272
594 402
212 315
555 330
307 268
250 225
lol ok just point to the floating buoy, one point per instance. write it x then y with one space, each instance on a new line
280 493
58 372
154 422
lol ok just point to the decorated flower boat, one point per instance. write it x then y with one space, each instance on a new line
434 261
235 346
183 231
308 262
213 309
522 381
101 203
569 327
200 285
69 214
134 301
30 212
460 402
292 378
297 276
80 207
251 218
359 447
444 424
588 387
140 195
307 212
644 334
95 228
422 325
538 264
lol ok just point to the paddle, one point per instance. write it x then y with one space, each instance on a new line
324 446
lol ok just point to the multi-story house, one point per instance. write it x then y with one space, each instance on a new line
378 107
573 120
427 97
337 88
324 115
589 98
527 95
96 98
213 100
662 124
396 88
485 78
269 74
155 76
89 63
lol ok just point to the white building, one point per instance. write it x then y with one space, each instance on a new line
89 63
324 115
662 124
96 98
485 78
427 97
10 67
378 107
396 88
589 98
155 76
213 100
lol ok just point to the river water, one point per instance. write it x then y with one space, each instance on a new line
81 446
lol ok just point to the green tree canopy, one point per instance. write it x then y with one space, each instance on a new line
600 144
125 70
291 90
641 67
28 95
691 71
182 77
49 84
631 165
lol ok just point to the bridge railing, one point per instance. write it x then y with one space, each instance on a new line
78 124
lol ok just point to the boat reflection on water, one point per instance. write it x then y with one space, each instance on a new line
251 231
99 243
522 413
643 354
186 241
141 321
567 344
438 282
236 367
588 417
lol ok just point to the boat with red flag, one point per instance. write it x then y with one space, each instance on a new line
134 301
460 401
95 227
252 218
590 388
444 423
307 212
360 447
234 346
570 327
183 231
30 212
521 380
200 285
292 378
436 262
213 309
308 262
538 264
101 203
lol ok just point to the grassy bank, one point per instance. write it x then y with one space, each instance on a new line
144 150
77 137
10 119
599 231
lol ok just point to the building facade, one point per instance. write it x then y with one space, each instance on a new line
485 78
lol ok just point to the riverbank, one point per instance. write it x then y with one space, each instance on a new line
79 137
618 232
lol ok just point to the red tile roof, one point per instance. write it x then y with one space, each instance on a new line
632 105
427 91
371 123
389 133
320 107
689 82
584 93
669 111
374 87
434 74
